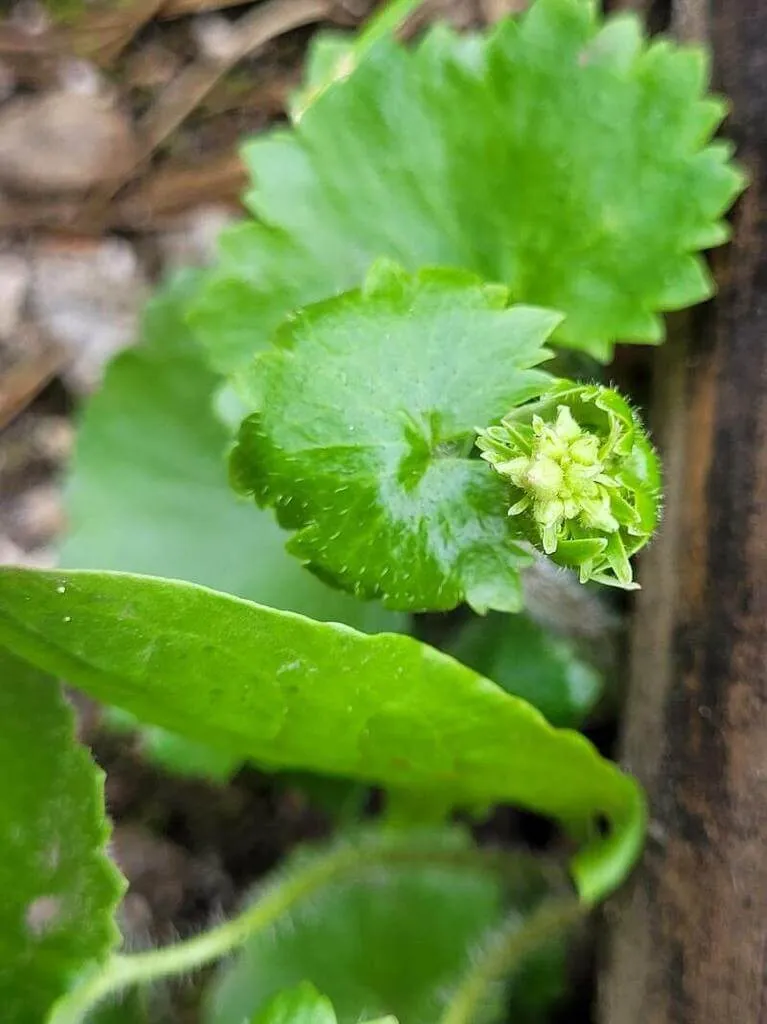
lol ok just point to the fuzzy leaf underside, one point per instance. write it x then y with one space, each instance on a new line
394 933
562 154
364 428
390 939
295 693
58 889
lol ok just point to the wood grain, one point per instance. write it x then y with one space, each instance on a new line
687 940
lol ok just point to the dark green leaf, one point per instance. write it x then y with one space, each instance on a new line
295 693
561 154
533 663
363 437
58 890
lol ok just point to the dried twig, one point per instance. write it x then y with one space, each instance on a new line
194 82
180 8
259 26
173 189
102 35
21 384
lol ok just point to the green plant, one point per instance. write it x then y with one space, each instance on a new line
390 406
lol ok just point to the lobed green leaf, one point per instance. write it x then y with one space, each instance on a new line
562 154
367 408
295 693
58 889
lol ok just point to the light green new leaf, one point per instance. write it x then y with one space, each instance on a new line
533 663
58 890
393 939
303 1005
300 1005
149 493
296 693
562 154
367 409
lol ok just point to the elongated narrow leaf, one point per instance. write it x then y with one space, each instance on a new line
366 416
58 891
562 154
302 694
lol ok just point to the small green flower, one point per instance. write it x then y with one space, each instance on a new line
584 477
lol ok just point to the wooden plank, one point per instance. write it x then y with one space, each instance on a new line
687 940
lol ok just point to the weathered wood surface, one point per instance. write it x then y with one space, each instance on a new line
687 941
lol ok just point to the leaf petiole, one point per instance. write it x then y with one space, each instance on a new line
123 971
507 948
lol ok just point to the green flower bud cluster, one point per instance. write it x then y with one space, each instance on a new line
584 478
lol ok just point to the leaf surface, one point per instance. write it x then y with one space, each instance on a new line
393 939
149 491
562 154
364 433
295 693
59 890
300 1005
303 1005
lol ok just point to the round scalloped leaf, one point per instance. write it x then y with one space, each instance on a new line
364 433
562 154
58 890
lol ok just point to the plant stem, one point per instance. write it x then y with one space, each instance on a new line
507 947
121 971
142 968
383 23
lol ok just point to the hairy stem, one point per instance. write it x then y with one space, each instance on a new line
506 950
122 971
